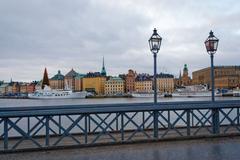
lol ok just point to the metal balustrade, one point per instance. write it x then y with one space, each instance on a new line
44 127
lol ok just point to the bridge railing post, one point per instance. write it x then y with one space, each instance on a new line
47 131
155 124
122 126
238 114
5 133
215 121
188 122
86 129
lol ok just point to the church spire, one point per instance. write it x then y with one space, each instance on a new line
103 72
103 62
45 80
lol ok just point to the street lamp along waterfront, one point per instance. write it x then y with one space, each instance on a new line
211 45
155 44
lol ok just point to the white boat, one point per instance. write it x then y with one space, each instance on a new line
193 91
236 93
145 95
48 93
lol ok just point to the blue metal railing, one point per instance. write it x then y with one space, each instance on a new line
80 125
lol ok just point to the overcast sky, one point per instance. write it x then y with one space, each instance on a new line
65 34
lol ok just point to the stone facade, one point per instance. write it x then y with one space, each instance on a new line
225 76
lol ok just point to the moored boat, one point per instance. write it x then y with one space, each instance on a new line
145 95
193 91
48 93
236 93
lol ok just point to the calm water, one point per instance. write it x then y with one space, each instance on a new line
51 102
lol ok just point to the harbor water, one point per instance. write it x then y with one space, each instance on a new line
54 102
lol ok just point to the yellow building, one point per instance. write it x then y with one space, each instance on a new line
3 88
114 86
143 85
23 88
165 83
94 82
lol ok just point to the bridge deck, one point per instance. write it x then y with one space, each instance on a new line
207 149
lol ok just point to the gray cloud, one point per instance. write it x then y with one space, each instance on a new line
76 34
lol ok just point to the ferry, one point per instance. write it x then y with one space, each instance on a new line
48 93
193 91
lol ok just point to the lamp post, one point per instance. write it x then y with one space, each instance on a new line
211 44
155 44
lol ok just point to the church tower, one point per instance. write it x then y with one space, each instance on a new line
185 71
103 71
186 80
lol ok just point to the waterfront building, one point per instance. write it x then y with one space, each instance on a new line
3 88
130 81
45 80
69 80
9 88
123 77
225 76
78 82
114 86
31 87
57 81
94 82
23 88
143 83
165 83
15 88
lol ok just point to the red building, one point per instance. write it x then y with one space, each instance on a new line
31 87
130 81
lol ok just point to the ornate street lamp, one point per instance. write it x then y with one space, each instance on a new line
211 44
155 44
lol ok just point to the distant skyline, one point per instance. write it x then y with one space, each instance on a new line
62 35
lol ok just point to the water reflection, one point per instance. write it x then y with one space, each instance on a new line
50 102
